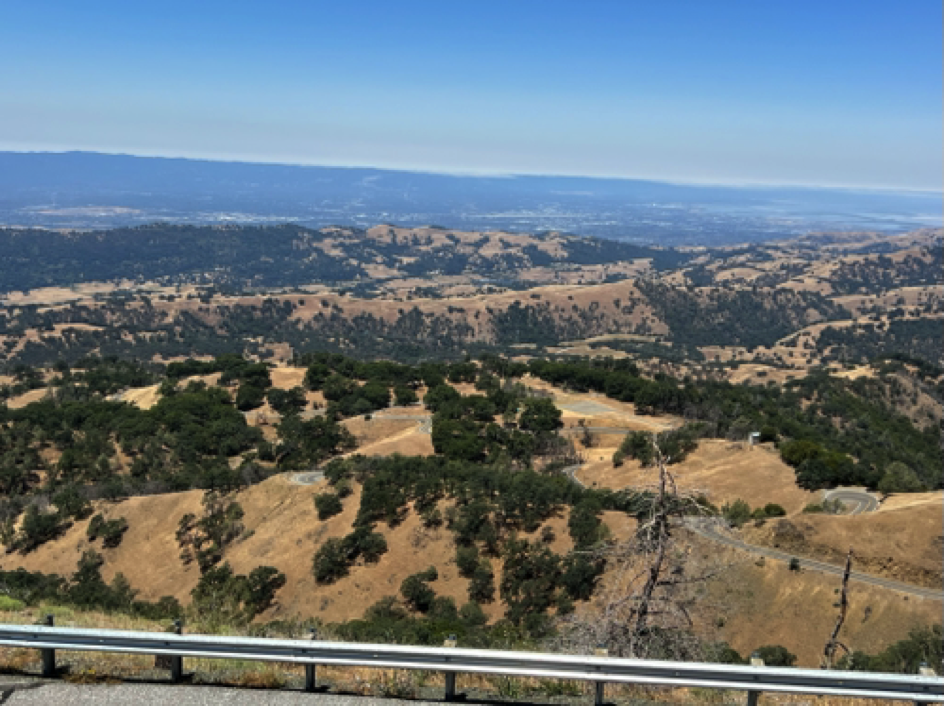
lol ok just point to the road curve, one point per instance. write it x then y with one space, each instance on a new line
706 530
854 501
571 472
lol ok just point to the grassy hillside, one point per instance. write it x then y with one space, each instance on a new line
197 469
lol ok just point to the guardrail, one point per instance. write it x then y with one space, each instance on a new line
924 689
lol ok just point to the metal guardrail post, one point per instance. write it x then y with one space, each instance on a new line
310 673
450 676
754 696
49 654
600 686
925 671
176 661
310 678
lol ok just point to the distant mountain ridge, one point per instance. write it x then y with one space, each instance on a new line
291 255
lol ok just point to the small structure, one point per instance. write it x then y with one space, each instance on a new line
754 438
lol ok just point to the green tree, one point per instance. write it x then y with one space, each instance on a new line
328 505
899 478
71 503
330 562
540 415
405 396
776 656
287 402
416 591
737 513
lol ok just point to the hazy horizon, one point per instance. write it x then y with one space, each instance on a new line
843 94
483 173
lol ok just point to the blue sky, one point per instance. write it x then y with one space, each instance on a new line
754 91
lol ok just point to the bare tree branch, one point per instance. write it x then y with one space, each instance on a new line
829 651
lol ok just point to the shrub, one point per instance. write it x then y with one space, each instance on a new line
636 445
472 614
364 542
10 604
432 517
417 593
328 505
923 645
776 656
330 562
899 478
768 433
37 527
70 503
467 560
287 402
223 598
110 532
249 397
584 523
404 396
737 513
482 585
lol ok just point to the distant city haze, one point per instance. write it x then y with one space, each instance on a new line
839 93
84 190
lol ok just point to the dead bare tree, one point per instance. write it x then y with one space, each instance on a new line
832 644
645 607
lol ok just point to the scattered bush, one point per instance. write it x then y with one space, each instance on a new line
110 532
416 591
776 656
737 513
328 505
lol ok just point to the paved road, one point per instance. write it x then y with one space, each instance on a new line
571 472
599 430
854 501
710 530
63 694
307 477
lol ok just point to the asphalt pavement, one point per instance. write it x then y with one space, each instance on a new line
858 500
708 531
854 500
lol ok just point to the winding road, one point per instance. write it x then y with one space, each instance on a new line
854 501
860 501
709 530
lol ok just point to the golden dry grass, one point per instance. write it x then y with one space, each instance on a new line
764 603
724 470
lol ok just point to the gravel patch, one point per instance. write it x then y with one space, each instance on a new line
158 695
